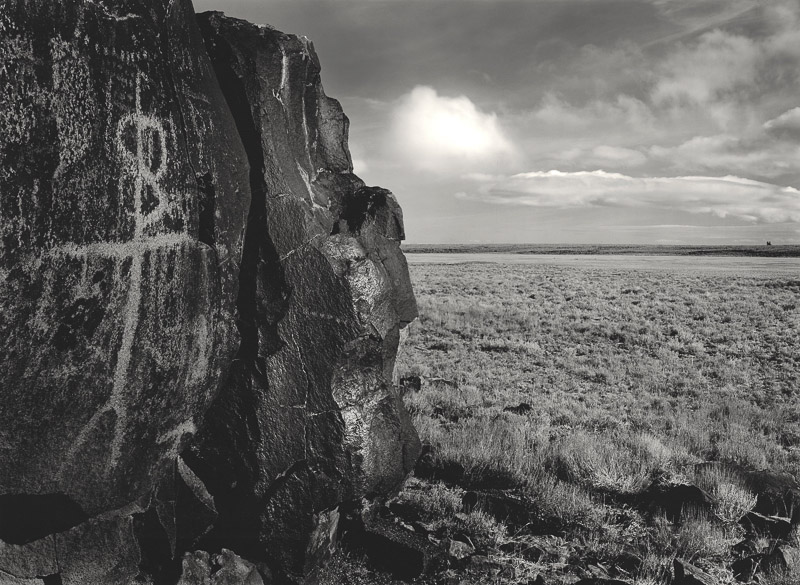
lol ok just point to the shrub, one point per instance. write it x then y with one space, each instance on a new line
431 500
563 503
732 500
699 535
601 462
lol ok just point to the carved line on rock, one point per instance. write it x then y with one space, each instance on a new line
137 166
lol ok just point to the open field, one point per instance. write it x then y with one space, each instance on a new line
747 266
781 250
566 408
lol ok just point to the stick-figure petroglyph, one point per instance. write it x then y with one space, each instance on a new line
142 146
150 147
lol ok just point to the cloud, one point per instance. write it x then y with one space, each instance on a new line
722 196
731 74
759 155
623 109
702 73
438 133
786 126
603 155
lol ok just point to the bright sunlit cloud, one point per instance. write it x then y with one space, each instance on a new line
722 196
434 132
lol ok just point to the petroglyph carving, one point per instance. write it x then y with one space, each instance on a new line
145 164
142 146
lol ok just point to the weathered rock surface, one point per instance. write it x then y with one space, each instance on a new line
226 568
309 417
123 196
200 303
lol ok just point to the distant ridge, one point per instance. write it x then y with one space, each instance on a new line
773 251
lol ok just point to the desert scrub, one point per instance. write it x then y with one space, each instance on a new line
563 504
615 349
432 501
732 502
488 447
607 461
441 507
732 499
699 535
629 376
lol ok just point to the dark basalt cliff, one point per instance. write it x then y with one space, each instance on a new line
200 303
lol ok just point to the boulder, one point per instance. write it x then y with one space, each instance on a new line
309 417
123 197
26 561
200 303
779 560
6 579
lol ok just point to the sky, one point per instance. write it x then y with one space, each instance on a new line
566 121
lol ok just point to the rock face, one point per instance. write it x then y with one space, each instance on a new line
200 304
308 417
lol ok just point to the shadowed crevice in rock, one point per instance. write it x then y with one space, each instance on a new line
25 518
227 465
154 546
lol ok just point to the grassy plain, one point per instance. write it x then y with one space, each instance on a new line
779 250
633 378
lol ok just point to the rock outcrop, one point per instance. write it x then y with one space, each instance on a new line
200 303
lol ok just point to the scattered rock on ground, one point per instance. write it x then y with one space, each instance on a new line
771 526
457 549
226 568
673 499
411 384
521 409
778 493
745 569
783 557
687 574
390 547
